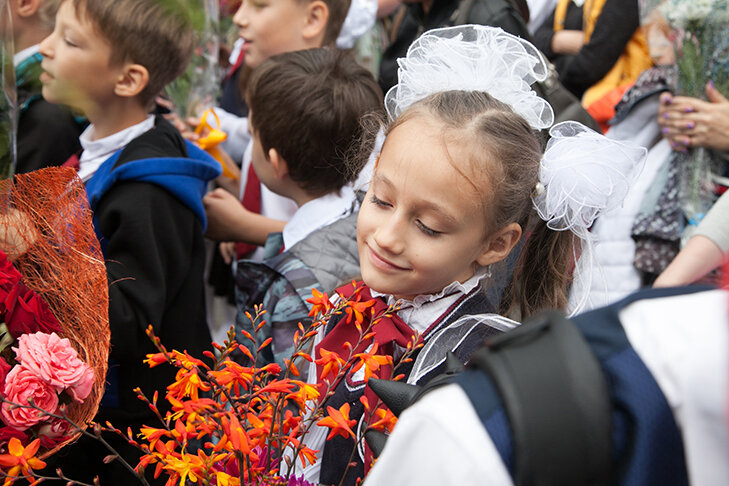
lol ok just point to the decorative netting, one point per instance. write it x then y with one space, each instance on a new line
45 218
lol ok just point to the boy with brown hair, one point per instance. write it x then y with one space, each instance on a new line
309 144
268 27
145 184
47 133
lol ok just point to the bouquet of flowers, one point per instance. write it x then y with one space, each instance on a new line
231 424
699 31
197 88
54 335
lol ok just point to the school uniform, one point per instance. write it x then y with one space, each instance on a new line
428 315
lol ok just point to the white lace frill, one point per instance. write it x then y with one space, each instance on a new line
583 173
360 18
472 58
450 289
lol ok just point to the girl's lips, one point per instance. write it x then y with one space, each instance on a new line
45 77
382 263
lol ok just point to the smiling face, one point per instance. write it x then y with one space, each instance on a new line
422 225
271 27
76 63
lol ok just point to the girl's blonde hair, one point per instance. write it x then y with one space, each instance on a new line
505 167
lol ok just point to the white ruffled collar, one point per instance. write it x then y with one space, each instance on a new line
450 289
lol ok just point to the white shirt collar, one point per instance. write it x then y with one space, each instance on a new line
420 312
24 54
95 152
318 213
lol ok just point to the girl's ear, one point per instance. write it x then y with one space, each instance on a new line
499 245
317 17
278 163
132 80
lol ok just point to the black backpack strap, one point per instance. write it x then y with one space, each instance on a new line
549 379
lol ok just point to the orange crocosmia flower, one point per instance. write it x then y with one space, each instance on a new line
278 386
356 310
152 435
226 479
330 362
338 421
20 460
320 303
186 467
371 362
187 384
387 420
305 393
231 373
155 359
191 409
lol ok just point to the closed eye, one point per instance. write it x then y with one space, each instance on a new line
379 202
427 230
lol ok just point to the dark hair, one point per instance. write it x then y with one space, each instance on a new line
309 106
154 33
337 13
506 155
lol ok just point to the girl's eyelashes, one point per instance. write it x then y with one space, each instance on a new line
379 202
421 226
428 231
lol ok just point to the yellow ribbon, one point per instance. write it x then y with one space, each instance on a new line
214 137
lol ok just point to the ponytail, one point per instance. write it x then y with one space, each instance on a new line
542 274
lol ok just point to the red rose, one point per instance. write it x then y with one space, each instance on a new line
26 312
9 275
4 370
7 433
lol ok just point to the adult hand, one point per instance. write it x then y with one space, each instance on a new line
568 42
691 122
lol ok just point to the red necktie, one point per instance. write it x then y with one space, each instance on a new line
252 202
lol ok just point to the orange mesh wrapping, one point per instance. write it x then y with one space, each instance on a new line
46 214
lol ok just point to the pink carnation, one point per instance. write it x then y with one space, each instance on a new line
21 385
53 360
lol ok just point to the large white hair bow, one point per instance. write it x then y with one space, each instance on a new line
472 58
583 174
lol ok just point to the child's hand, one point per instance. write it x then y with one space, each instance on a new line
227 251
17 233
225 214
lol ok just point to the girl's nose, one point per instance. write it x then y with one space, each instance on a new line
389 234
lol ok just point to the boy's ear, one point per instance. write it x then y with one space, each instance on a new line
317 17
278 163
499 245
26 8
132 80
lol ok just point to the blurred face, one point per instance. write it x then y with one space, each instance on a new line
271 27
422 225
76 63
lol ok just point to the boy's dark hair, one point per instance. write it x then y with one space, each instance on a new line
337 13
309 105
154 33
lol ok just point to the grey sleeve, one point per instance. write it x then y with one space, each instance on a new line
715 224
